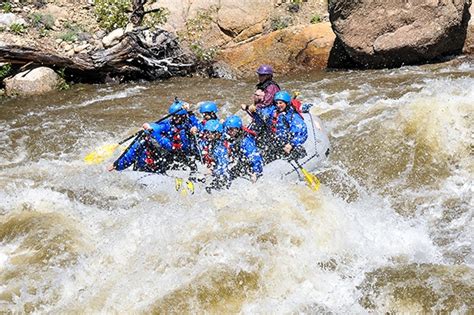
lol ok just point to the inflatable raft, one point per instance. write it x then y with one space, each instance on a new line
317 148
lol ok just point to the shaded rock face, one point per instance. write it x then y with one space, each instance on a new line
37 81
379 33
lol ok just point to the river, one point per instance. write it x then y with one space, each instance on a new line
390 229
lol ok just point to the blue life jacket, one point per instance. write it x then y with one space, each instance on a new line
138 153
287 126
215 156
247 148
175 138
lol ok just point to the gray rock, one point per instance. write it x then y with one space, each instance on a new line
7 19
37 81
221 69
379 33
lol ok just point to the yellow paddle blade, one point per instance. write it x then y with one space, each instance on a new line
311 179
101 154
178 182
190 186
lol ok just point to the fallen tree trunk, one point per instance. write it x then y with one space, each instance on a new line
140 54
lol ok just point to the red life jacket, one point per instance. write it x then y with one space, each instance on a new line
249 131
276 114
296 104
149 160
206 157
176 143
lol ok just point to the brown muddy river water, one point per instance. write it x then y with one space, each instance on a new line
390 229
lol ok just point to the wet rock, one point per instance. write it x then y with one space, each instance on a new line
221 69
377 33
37 81
294 48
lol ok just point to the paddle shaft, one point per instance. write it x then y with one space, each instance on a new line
139 133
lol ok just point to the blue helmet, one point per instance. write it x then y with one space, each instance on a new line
208 107
282 96
177 108
213 125
233 122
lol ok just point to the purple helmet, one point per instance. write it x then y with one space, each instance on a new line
265 69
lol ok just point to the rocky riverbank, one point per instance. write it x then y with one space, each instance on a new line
224 39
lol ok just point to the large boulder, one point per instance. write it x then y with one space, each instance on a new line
469 43
217 21
237 16
294 48
37 81
379 33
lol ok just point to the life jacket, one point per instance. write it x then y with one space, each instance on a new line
249 131
262 86
274 121
150 160
238 140
176 142
277 114
207 157
296 104
234 154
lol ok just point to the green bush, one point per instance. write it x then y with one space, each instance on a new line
157 18
62 85
279 23
7 7
68 36
17 28
112 14
5 70
42 21
203 54
316 19
72 32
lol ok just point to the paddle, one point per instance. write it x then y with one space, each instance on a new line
311 180
106 151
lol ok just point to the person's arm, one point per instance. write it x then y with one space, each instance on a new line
160 132
252 153
298 130
270 92
129 157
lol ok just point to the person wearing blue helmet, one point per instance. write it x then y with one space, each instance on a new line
162 145
214 155
142 154
208 110
174 142
282 129
244 156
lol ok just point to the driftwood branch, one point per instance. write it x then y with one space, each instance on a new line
141 54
